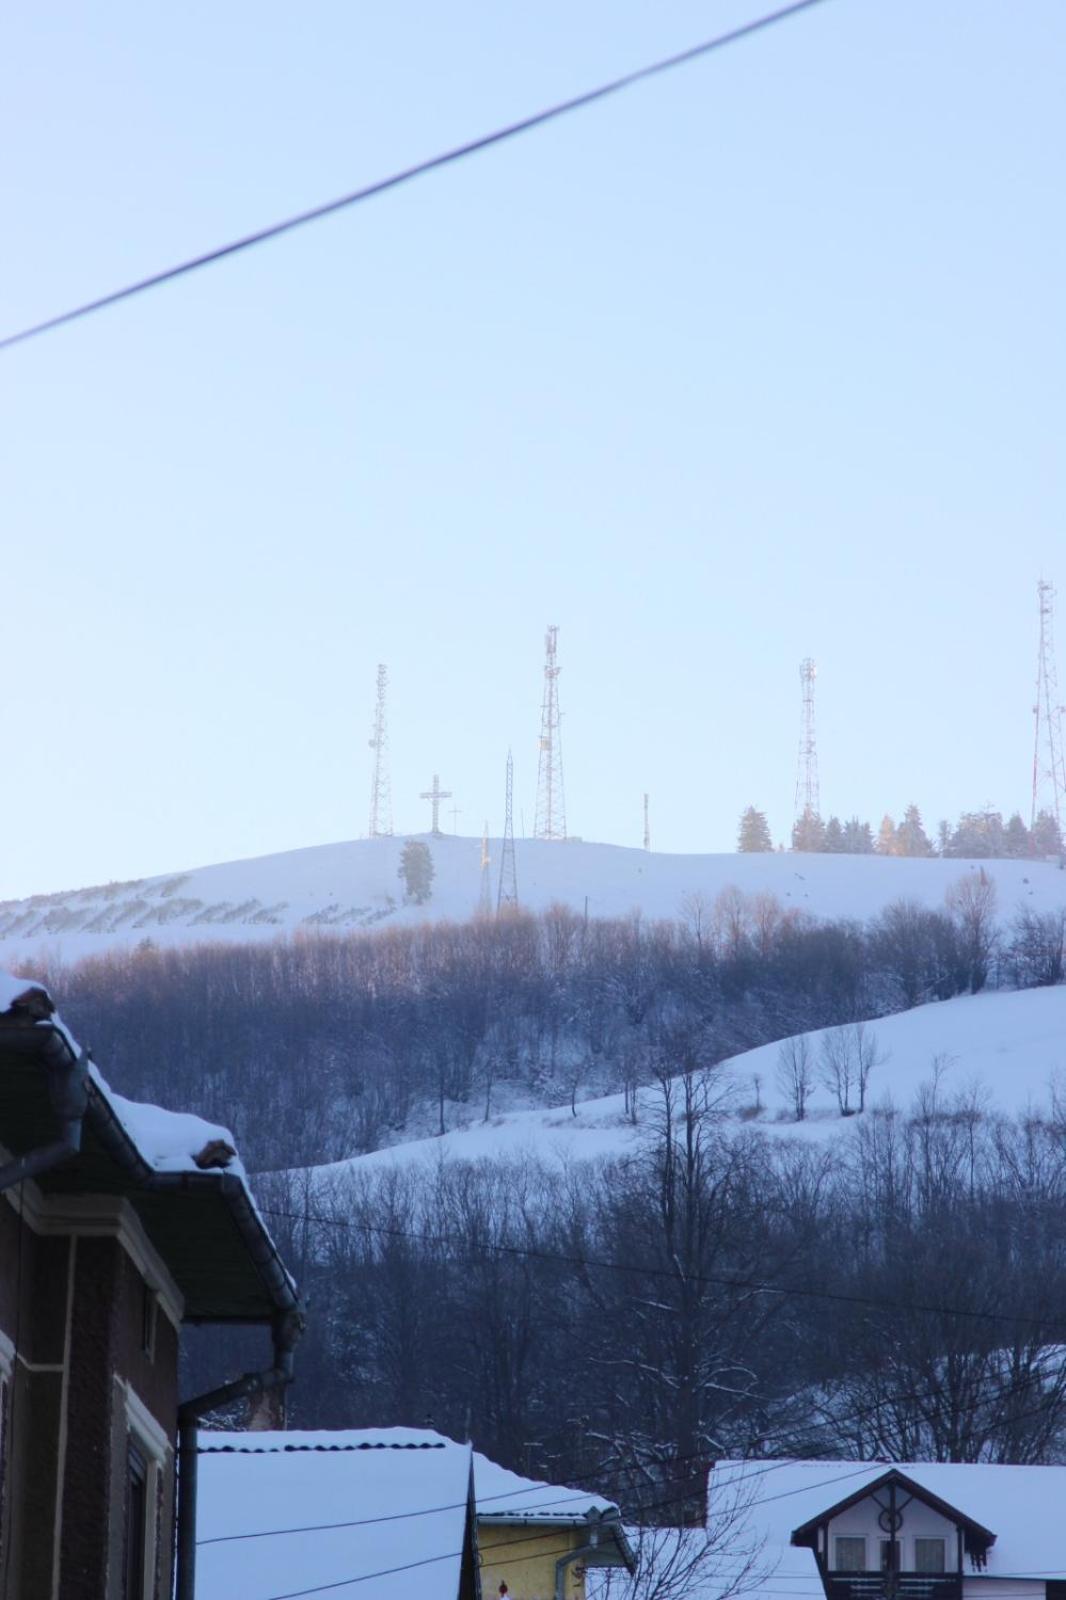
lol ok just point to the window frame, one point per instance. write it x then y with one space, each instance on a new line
929 1539
848 1538
138 1542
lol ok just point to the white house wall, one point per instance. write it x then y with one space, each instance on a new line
919 1522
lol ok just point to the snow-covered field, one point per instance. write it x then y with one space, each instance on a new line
357 885
1009 1047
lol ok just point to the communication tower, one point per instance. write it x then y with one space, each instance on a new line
484 903
647 826
808 800
507 895
1049 770
550 820
380 787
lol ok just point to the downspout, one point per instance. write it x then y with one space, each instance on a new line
68 1090
595 1518
287 1329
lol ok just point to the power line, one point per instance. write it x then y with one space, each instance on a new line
711 1280
759 1470
407 174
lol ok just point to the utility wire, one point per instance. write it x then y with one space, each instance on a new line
407 174
759 1470
712 1280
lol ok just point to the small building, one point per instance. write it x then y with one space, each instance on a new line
119 1224
402 1507
909 1531
541 1540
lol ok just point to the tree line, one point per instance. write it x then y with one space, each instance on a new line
896 1293
976 835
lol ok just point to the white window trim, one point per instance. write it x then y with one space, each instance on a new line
151 1440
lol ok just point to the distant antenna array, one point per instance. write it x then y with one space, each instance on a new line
550 820
808 800
1049 771
507 896
484 904
380 787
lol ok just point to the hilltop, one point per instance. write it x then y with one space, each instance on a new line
356 885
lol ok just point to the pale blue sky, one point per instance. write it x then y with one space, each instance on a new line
761 360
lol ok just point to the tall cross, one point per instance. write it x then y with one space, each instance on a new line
435 796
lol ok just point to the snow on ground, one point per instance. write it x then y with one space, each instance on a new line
356 885
1010 1046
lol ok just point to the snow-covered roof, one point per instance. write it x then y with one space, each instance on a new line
224 1272
167 1141
1022 1506
504 1496
281 1512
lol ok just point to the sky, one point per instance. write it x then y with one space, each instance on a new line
758 361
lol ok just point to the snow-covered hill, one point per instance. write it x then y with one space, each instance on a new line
357 885
1010 1047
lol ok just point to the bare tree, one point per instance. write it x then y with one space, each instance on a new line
971 901
795 1073
839 1071
725 1556
867 1054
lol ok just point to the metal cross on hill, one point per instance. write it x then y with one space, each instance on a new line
435 796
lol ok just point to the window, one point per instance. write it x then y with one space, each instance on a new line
929 1555
850 1555
136 1523
889 1555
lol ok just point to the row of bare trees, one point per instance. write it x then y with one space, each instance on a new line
316 1048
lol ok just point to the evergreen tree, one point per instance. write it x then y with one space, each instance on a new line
808 832
1046 838
1016 842
416 869
911 837
858 837
887 837
834 836
979 834
754 834
943 838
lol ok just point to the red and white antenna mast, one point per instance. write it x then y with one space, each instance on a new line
808 799
1049 771
550 821
380 787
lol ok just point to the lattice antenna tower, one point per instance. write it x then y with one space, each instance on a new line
550 820
808 799
647 825
484 904
507 894
1049 770
380 787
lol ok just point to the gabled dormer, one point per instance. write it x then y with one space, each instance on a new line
894 1540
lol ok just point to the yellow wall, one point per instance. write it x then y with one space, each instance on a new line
524 1558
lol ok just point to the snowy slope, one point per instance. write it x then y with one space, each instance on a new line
356 885
1011 1046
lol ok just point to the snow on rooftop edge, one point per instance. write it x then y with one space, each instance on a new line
167 1140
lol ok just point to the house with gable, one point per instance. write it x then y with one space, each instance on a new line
394 1507
850 1530
120 1224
